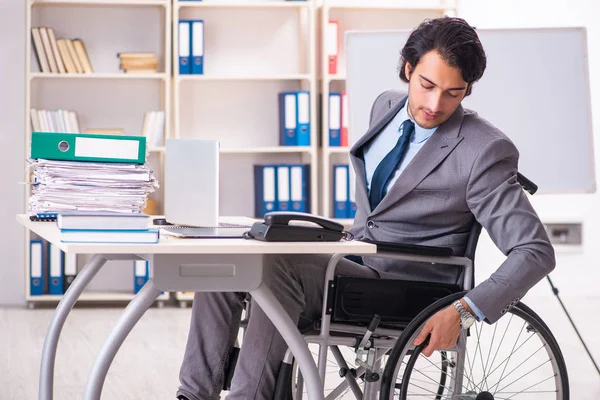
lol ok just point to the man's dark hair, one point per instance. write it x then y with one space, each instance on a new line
455 41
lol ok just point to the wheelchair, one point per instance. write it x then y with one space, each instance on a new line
515 358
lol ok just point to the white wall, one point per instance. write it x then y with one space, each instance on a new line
577 272
12 124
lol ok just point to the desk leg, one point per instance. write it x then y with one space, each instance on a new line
267 301
130 316
58 320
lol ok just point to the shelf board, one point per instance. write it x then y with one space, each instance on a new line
162 3
274 149
290 77
344 221
156 150
337 150
242 4
392 5
41 75
340 77
92 296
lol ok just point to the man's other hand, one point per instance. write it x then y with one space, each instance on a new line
444 327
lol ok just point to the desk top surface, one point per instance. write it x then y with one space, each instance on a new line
168 245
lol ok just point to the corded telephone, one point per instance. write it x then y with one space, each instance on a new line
279 226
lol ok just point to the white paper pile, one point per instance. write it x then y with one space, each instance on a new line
89 186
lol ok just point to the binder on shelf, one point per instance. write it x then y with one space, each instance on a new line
55 270
141 272
88 147
287 119
265 189
299 187
344 131
332 46
283 188
303 118
341 191
184 47
197 27
351 202
36 270
70 269
335 119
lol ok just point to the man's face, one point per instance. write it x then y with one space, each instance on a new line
435 90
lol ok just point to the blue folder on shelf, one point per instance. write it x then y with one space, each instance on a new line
287 119
141 274
299 187
197 44
341 191
303 118
185 48
55 270
335 119
36 270
265 189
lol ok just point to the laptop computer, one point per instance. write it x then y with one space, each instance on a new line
192 192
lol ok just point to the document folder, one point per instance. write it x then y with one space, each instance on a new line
265 189
303 122
335 119
36 272
55 268
141 274
344 132
197 47
299 184
332 46
70 270
287 119
340 191
88 147
283 188
185 48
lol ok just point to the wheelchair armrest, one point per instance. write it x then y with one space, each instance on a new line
400 248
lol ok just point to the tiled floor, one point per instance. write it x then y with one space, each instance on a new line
147 365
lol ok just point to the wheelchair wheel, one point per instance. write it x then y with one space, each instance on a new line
515 358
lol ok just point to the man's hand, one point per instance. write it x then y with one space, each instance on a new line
444 327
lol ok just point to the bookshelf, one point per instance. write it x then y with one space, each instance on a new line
359 15
253 50
106 98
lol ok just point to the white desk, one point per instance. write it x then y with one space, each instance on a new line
180 265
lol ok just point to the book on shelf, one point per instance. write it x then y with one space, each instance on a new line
138 63
102 221
54 121
82 56
153 128
59 56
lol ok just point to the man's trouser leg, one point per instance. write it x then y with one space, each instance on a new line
213 330
297 282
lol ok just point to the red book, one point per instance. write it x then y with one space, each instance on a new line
332 46
344 134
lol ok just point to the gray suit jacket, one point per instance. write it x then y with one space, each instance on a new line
465 171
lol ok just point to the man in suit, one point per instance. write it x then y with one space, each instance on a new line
426 170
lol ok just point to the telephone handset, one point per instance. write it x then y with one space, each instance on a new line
279 226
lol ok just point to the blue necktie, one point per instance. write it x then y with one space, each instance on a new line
386 167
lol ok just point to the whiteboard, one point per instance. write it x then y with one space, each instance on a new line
535 89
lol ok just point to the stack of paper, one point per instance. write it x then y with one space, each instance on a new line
89 186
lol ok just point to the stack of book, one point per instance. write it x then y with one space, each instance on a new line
138 63
59 56
54 121
105 227
89 173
